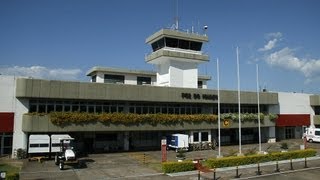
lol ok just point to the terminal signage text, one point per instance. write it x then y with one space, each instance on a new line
197 96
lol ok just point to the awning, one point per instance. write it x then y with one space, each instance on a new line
293 120
6 122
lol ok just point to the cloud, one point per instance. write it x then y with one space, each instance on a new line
42 72
276 35
273 38
287 59
270 45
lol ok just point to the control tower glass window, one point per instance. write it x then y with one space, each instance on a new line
176 43
158 44
196 46
183 44
115 79
171 42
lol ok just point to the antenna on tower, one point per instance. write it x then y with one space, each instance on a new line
176 18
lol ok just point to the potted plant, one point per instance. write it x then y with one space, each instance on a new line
181 154
284 147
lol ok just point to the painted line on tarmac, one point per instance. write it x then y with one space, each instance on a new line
69 170
284 172
137 176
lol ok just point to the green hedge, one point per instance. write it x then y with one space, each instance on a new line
12 172
64 118
172 167
252 159
12 176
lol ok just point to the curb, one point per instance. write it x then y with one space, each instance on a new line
186 173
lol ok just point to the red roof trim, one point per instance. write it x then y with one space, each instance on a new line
6 122
293 120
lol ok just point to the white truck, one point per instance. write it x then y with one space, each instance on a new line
59 144
182 141
312 134
39 144
178 141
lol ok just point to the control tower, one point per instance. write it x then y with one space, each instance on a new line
177 55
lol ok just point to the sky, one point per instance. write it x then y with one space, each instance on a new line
63 39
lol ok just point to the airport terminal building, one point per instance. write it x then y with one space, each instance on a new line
130 110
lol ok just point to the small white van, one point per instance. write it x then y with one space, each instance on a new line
312 134
39 143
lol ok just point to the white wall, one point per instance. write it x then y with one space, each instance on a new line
19 137
295 103
204 85
163 74
183 74
19 107
7 93
130 79
100 77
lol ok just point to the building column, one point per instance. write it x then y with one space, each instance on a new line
272 135
126 142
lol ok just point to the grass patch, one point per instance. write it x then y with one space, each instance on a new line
155 166
12 172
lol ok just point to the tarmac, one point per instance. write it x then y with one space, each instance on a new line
146 165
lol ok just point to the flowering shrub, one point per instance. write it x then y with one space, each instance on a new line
63 118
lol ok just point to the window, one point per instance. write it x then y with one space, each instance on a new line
33 108
196 46
106 137
158 44
75 106
94 78
98 109
204 136
44 145
83 107
200 84
115 79
50 107
196 137
143 80
317 133
58 107
183 44
317 110
171 42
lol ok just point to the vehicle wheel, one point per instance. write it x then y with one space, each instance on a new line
310 140
56 160
61 165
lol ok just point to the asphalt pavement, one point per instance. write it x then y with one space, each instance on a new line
146 165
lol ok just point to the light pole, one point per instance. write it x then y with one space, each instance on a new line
258 98
219 129
238 75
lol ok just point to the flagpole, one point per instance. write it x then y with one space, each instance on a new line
238 75
218 86
258 98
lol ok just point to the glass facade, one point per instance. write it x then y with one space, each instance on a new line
47 106
114 79
143 80
176 43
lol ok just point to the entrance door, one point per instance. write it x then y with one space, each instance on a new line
289 132
5 143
